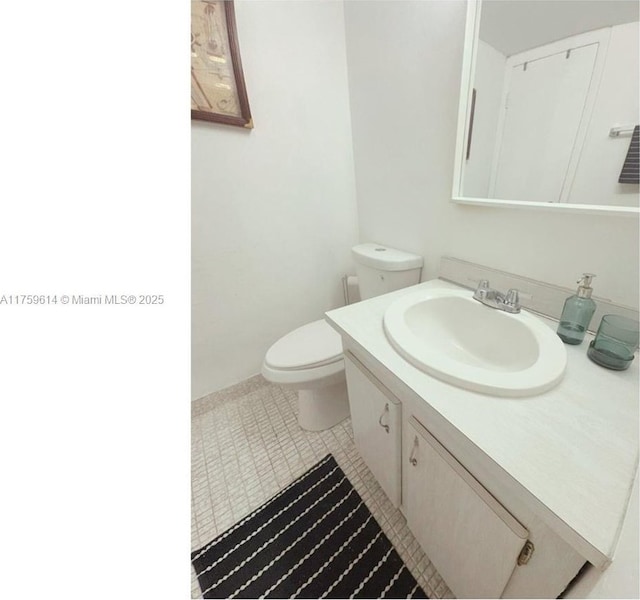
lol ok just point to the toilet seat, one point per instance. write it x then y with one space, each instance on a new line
314 377
313 345
308 357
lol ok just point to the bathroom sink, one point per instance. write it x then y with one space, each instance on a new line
453 337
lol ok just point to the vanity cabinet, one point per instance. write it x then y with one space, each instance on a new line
560 464
485 543
472 540
376 418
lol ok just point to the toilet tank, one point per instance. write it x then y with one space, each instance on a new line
381 269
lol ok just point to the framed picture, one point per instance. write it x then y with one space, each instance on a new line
218 92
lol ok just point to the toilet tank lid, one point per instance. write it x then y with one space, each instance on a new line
385 258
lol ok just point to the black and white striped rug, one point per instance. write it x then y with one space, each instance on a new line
314 539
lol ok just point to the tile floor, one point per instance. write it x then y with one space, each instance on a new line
247 445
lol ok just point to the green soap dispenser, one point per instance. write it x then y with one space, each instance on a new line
577 312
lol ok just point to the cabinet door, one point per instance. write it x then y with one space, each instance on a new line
377 424
469 536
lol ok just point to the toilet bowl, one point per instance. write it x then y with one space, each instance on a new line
310 359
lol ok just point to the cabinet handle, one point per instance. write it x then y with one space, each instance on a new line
412 457
384 412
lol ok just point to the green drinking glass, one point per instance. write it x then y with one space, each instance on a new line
615 343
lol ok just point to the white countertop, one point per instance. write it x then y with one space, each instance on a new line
574 448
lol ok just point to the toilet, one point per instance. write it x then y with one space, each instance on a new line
310 360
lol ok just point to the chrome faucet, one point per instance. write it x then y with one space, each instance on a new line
493 298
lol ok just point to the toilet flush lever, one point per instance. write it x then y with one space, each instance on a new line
384 412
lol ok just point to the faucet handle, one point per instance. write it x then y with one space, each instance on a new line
482 290
512 299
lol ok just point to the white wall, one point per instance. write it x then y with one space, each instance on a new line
404 100
273 209
404 75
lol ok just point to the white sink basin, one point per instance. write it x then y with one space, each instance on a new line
453 337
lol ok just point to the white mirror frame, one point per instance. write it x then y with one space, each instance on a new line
472 28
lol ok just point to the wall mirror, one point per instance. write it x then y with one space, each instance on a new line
549 106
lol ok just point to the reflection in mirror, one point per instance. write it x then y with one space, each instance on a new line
556 103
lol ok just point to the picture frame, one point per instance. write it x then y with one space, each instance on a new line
218 91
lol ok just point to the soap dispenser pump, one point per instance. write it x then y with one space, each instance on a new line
577 312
